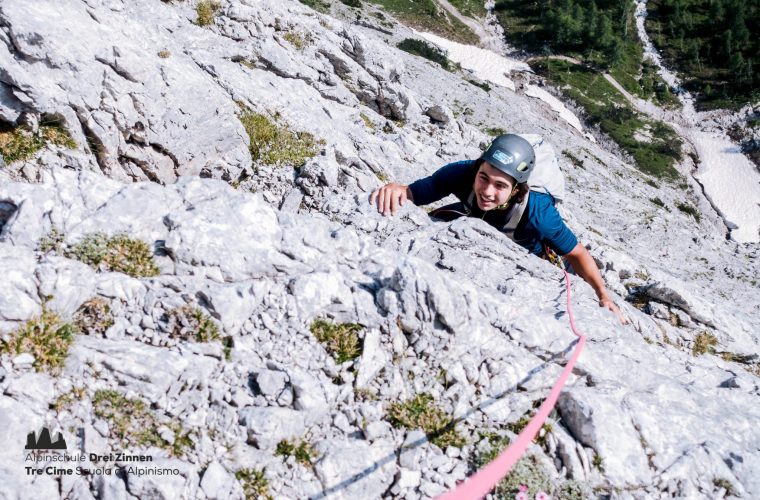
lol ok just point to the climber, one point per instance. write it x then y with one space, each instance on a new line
494 188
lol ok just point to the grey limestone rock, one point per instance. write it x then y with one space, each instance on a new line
217 483
349 468
268 426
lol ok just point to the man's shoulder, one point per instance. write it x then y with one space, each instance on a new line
541 208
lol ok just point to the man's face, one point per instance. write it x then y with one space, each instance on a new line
492 187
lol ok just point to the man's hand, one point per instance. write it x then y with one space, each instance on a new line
586 268
390 197
606 302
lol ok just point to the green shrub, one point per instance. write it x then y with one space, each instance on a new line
46 337
94 317
302 450
274 144
255 484
206 11
190 323
482 85
352 3
318 5
657 201
297 40
423 49
689 209
118 253
420 413
573 159
495 131
340 340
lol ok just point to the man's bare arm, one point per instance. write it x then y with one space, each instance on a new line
584 265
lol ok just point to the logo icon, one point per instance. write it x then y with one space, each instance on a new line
503 157
44 442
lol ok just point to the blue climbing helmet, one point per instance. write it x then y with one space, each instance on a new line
513 155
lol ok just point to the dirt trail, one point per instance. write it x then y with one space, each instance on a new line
485 37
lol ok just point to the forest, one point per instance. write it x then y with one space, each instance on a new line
596 30
713 44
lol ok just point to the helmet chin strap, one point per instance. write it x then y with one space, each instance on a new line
507 203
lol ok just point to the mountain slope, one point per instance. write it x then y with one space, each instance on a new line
454 311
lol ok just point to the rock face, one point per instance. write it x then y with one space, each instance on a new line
452 310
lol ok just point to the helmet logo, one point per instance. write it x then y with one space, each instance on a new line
503 157
522 167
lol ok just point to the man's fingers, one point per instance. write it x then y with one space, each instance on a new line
394 203
387 202
373 196
616 311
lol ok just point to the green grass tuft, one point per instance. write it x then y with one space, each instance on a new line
46 337
18 144
51 242
255 484
297 40
206 11
118 253
67 400
302 450
275 144
689 210
190 323
420 413
340 340
94 317
367 122
704 343
131 422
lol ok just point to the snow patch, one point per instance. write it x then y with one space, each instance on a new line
556 105
484 64
731 182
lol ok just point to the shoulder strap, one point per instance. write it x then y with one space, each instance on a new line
514 214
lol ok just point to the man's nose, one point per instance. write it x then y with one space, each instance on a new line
489 190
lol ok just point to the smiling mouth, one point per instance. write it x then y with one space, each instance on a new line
484 201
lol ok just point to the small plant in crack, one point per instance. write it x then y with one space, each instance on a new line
340 340
301 449
420 412
47 337
190 323
118 253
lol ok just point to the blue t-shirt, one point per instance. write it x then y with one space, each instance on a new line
540 224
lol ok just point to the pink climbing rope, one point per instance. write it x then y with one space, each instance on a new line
483 481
